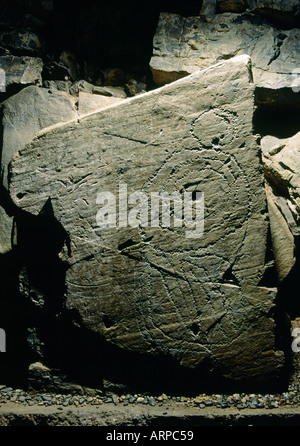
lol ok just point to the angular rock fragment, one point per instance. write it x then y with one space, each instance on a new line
283 244
23 116
22 70
143 282
283 13
63 67
209 9
117 92
58 85
232 5
182 45
24 42
86 87
281 161
88 102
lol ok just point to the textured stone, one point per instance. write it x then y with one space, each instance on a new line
112 77
89 103
133 87
28 112
81 85
24 115
282 238
281 160
154 289
182 45
232 5
278 5
86 87
6 227
209 9
58 85
117 92
22 42
22 70
63 67
284 6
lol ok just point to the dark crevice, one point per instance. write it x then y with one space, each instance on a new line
195 328
126 244
281 122
269 278
229 277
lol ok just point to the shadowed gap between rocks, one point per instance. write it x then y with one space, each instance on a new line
281 122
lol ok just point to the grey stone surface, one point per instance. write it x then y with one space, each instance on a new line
89 103
278 5
23 70
183 45
283 243
153 289
24 115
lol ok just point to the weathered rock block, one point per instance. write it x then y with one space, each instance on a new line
283 244
23 116
281 161
142 282
182 45
88 102
283 6
22 70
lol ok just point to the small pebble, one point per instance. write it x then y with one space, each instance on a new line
151 401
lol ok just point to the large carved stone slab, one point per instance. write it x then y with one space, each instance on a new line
157 289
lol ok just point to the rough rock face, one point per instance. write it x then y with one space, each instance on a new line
89 102
288 6
22 70
283 244
23 116
164 288
281 160
183 45
28 112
